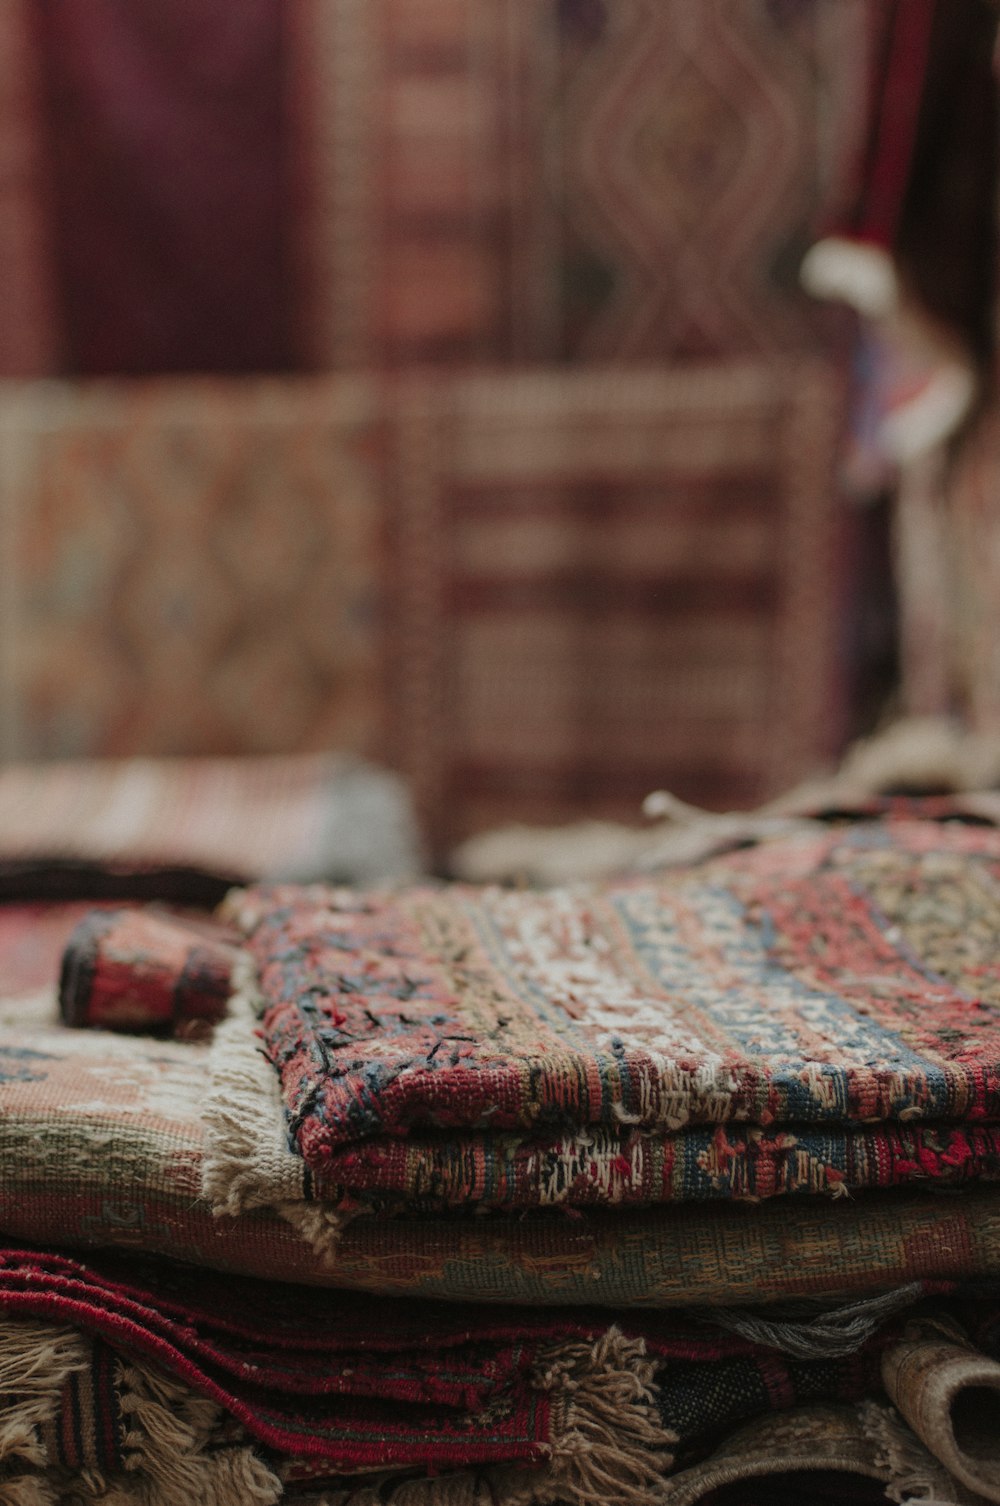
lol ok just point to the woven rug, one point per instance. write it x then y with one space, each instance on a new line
355 1387
859 1444
82 1415
103 1142
224 596
593 180
818 1014
335 1385
554 651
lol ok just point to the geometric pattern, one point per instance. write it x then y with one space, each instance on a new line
609 581
689 171
187 567
411 141
540 180
507 585
813 1016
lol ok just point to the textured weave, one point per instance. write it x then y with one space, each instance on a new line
815 1014
862 1443
136 970
594 179
609 580
351 1384
102 1143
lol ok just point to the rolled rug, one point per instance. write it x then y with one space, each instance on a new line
855 1445
135 969
949 1393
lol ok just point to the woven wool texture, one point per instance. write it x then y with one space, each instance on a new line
856 1444
334 1384
104 1141
818 1014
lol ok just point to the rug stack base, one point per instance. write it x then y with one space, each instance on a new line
677 1189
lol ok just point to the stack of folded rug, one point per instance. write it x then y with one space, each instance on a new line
633 1193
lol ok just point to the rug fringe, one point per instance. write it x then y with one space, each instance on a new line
318 1225
173 1447
36 1361
608 1447
29 1490
247 1164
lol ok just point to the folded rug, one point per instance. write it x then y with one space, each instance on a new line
103 1142
816 1014
568 1406
354 1386
82 1420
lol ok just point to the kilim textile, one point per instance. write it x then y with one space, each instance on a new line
269 567
608 581
351 1390
104 1143
354 1385
818 1013
578 181
346 185
352 1382
857 1445
330 1386
224 595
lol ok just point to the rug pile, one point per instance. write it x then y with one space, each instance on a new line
640 1192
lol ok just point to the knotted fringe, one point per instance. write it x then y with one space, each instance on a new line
912 1472
174 1453
36 1361
247 1161
29 1490
608 1447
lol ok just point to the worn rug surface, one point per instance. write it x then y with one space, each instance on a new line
189 1381
104 1143
819 1014
356 1385
328 1385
